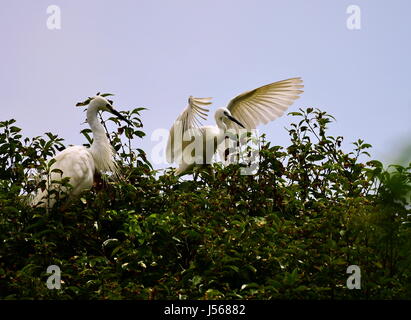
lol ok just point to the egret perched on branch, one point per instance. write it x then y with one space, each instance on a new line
80 163
248 110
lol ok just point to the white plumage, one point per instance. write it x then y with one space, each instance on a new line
247 110
80 163
264 104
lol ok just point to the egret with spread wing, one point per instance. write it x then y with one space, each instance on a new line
248 110
80 164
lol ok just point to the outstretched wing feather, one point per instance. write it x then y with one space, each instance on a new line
265 103
190 118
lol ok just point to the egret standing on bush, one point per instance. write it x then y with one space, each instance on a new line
247 110
80 163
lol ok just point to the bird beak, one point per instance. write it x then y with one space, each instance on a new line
118 114
235 120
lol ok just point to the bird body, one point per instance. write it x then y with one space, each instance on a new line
75 162
190 144
79 163
201 148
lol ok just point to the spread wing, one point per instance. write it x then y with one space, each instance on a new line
187 120
264 104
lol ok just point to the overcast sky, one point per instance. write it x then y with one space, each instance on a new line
157 53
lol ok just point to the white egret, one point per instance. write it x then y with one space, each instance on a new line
247 110
80 163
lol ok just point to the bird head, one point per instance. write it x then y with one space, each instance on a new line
223 114
100 103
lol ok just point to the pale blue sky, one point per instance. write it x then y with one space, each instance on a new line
157 53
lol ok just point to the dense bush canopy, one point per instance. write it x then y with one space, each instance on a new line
288 232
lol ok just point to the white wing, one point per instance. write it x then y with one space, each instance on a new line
264 104
187 120
75 162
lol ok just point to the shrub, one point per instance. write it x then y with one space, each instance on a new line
288 232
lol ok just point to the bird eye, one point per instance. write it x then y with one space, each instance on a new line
108 105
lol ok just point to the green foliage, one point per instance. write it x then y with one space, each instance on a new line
288 232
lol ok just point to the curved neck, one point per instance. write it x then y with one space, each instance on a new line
101 149
99 134
220 123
